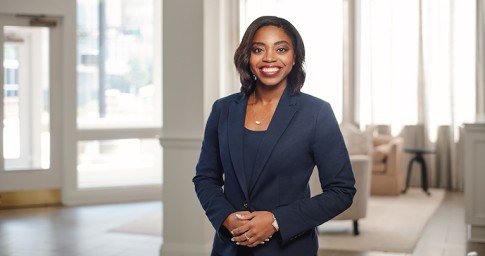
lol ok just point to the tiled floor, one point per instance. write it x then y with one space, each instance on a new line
87 230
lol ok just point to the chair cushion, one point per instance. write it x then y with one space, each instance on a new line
378 168
381 139
357 142
378 156
380 153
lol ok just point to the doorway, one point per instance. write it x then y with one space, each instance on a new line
29 49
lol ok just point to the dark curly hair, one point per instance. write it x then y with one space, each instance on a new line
296 78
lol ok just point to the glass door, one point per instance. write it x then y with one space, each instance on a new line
117 104
29 121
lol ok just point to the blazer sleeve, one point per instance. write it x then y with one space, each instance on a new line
208 179
336 177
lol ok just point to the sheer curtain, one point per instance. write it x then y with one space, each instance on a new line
388 42
417 75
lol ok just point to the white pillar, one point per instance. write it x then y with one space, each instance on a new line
480 70
195 52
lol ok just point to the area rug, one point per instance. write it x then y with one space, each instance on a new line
147 225
392 224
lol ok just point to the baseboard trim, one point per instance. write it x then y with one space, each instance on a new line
476 233
30 198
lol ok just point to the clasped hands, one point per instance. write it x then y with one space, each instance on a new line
250 228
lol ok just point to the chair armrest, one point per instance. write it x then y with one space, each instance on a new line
361 165
395 156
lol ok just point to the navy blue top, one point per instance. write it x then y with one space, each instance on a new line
252 140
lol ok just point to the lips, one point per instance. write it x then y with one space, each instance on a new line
270 71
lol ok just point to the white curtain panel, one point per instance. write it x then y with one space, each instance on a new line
417 74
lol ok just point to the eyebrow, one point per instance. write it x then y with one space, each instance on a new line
277 43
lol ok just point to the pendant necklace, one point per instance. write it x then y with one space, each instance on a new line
258 122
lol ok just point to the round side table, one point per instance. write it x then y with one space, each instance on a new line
418 157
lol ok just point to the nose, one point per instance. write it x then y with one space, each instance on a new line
269 56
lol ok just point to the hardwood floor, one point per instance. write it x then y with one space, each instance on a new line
88 230
75 231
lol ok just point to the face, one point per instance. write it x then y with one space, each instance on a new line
272 56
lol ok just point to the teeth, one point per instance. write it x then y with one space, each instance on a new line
270 70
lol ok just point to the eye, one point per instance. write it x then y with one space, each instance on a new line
257 50
282 50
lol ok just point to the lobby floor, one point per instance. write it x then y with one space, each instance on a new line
88 230
444 235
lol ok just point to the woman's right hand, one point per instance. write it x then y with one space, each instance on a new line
232 221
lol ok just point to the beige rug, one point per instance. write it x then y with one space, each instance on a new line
393 224
148 225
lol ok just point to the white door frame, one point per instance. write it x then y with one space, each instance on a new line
35 179
66 105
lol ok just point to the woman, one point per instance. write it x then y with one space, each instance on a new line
260 147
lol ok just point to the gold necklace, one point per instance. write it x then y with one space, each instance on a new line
258 122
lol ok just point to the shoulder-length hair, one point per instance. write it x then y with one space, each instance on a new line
296 78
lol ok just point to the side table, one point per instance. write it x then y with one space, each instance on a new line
418 157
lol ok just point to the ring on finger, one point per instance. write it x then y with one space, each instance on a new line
247 238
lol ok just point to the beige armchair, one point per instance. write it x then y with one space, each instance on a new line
387 166
361 165
359 147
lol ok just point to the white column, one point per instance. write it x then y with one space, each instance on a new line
480 70
350 63
195 52
473 152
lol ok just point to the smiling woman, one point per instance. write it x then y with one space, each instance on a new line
271 58
260 148
320 23
270 62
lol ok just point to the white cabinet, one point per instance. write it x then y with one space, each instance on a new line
474 170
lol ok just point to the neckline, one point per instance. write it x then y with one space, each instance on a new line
249 130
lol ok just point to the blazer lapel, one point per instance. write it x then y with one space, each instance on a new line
237 114
281 119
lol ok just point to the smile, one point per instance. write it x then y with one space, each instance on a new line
269 71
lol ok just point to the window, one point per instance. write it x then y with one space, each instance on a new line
119 162
116 73
118 93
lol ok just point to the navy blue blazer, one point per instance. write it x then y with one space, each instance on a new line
303 133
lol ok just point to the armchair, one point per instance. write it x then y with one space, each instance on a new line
387 166
361 166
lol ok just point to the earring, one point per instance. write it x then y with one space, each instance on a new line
254 77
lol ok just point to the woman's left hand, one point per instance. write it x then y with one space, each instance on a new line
257 231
